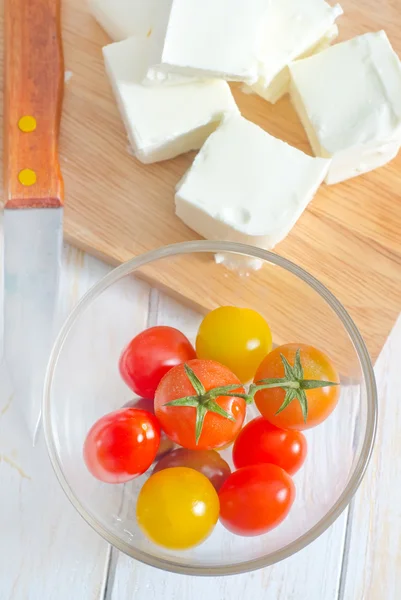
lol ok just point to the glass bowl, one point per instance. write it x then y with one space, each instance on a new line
83 383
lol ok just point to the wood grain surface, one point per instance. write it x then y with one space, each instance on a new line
47 550
34 80
117 208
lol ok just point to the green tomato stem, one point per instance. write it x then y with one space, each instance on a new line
293 384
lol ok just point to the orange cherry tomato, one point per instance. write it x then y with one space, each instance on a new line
321 401
201 424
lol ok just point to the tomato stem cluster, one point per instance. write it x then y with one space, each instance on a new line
203 401
293 383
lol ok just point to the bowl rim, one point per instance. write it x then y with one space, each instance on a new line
213 247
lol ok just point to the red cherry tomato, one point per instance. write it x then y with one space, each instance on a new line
220 417
166 445
256 499
122 445
207 462
261 442
150 355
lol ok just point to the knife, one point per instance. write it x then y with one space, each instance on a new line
33 194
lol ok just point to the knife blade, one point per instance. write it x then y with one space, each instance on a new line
33 194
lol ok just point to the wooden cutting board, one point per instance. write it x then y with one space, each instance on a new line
117 208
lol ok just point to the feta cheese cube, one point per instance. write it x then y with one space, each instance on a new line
211 38
122 19
349 101
324 43
163 122
247 186
292 29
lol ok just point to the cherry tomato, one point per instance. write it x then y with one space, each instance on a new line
150 355
177 508
238 338
320 402
261 442
166 445
256 499
210 430
122 445
207 462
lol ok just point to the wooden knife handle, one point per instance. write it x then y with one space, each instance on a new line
33 91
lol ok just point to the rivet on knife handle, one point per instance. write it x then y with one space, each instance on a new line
34 78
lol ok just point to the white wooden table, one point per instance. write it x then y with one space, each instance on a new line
47 552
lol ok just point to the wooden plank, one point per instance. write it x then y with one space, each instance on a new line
117 208
373 552
313 573
46 549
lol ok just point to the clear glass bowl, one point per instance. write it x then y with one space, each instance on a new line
83 383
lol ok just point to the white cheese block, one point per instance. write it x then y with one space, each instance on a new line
280 85
163 122
324 43
122 19
349 101
293 29
247 186
211 38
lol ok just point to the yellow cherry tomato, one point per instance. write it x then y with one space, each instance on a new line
239 338
177 508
